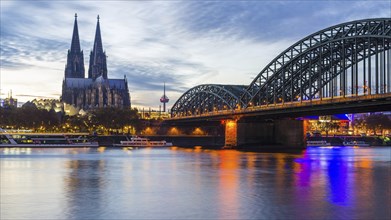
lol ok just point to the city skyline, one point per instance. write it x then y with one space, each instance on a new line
183 44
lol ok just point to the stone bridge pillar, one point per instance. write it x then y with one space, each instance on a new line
283 132
231 133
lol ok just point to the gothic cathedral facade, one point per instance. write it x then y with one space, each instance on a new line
96 91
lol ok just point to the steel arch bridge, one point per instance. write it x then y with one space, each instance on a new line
208 98
347 60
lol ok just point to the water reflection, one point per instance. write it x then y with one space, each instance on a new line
345 177
340 185
178 183
84 185
330 169
15 151
228 184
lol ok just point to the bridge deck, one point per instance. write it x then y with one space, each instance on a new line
352 104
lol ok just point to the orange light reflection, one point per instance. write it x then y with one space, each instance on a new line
229 184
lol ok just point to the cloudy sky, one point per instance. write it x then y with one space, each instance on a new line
182 43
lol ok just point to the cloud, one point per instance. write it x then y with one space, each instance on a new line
29 96
182 43
8 64
27 51
148 77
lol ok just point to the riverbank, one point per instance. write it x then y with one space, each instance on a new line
218 142
338 140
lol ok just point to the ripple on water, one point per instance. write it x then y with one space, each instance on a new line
188 184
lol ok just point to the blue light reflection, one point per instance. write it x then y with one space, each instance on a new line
333 165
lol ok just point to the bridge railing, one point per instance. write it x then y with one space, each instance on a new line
295 104
323 101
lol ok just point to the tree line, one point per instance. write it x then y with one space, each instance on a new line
103 120
373 122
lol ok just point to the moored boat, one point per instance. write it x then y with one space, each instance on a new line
356 143
42 140
143 142
319 143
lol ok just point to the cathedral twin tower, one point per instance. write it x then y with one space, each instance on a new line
96 91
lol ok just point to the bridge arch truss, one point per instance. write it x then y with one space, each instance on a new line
345 60
349 59
208 98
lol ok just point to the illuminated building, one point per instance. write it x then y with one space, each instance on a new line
96 91
9 101
331 124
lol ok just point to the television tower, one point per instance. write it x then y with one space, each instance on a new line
164 99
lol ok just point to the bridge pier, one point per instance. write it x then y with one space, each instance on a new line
231 133
282 132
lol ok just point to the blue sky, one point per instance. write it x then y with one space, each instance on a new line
182 43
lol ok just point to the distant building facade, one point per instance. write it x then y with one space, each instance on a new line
96 91
9 101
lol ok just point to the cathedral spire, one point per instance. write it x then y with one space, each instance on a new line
75 59
75 46
98 66
98 48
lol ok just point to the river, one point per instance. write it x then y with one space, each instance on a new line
180 183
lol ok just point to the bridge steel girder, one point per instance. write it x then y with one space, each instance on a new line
208 98
348 59
352 59
370 103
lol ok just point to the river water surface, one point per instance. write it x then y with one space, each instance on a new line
178 183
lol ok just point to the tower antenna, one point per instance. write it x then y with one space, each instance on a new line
164 99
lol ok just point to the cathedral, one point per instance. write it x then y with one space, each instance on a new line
96 91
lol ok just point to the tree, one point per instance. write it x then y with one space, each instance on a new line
377 122
113 118
327 125
30 117
360 124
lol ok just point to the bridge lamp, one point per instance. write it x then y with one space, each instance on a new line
231 123
198 131
173 131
